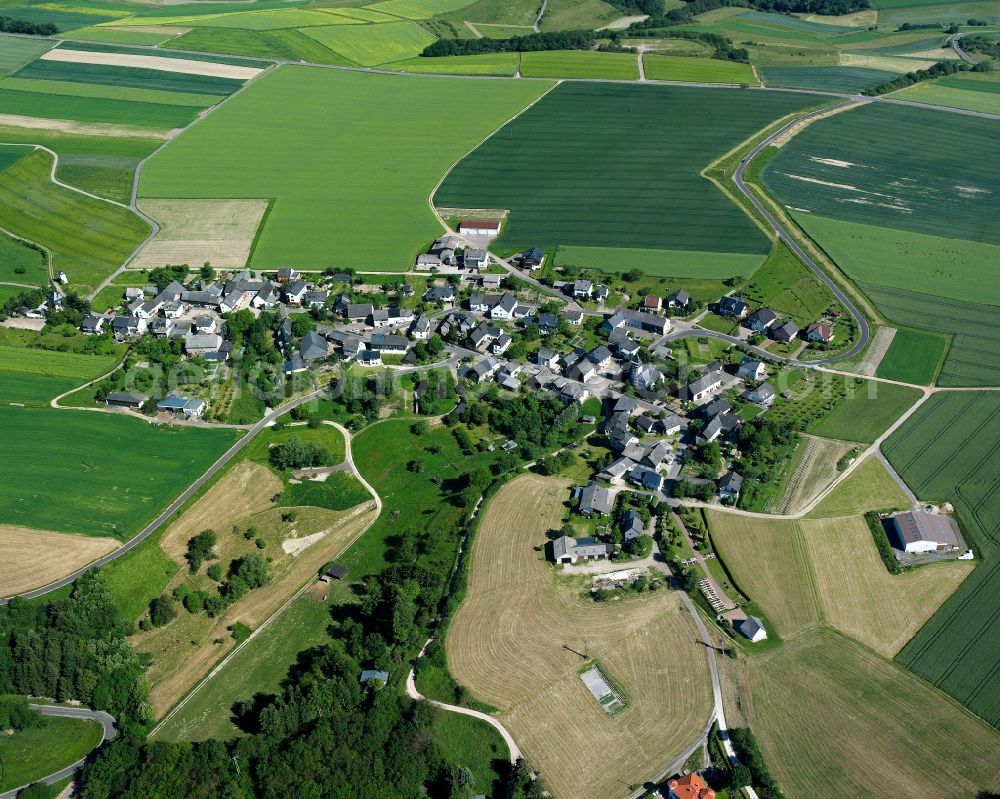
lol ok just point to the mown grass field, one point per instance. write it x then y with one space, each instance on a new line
550 168
502 64
948 451
20 263
665 263
579 64
37 752
113 473
883 732
33 558
812 469
869 487
511 644
807 573
87 238
52 363
914 356
956 91
973 357
323 208
700 70
867 412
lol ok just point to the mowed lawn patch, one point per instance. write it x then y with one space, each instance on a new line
913 357
550 168
113 473
33 558
696 70
869 487
579 64
371 174
948 451
369 45
87 238
511 644
28 755
883 732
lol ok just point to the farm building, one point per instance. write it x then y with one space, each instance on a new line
121 399
917 531
752 628
335 571
570 550
192 408
479 227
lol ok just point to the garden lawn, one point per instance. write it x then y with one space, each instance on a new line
697 70
87 238
28 755
579 64
340 160
96 473
369 45
913 357
16 51
550 167
867 412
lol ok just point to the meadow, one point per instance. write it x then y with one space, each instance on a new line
370 45
948 451
511 644
501 64
114 473
914 356
550 167
663 263
37 752
290 44
579 64
928 189
865 413
808 573
788 288
956 91
20 263
700 70
868 487
322 214
87 238
883 732
973 357
52 363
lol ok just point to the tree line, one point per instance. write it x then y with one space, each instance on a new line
23 26
554 40
938 70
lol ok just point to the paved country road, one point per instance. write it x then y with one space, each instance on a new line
108 731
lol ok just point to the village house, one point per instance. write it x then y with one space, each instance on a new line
196 345
701 387
582 289
752 369
547 358
764 394
730 484
645 377
819 331
532 258
594 500
359 312
504 309
785 332
632 525
651 303
92 324
690 786
732 306
678 299
475 259
761 320
571 550
313 347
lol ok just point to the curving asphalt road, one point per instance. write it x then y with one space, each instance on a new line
968 59
863 328
108 731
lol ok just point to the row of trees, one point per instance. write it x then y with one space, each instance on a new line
938 70
556 40
23 26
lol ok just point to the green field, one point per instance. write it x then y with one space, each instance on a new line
52 363
974 354
87 238
869 487
108 92
913 357
134 77
852 167
944 267
418 9
579 64
866 413
502 64
369 45
830 79
551 167
257 668
20 263
113 473
290 44
373 174
949 451
31 754
666 263
102 165
89 109
119 35
956 91
700 70
16 51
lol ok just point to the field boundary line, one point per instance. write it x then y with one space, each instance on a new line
348 459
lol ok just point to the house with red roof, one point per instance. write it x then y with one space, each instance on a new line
690 786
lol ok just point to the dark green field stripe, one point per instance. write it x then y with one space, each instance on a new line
107 75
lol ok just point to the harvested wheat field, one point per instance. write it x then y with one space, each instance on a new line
185 650
804 573
79 128
814 470
247 488
770 564
859 596
32 558
219 232
828 712
509 645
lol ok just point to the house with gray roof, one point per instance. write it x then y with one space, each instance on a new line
594 500
313 347
571 550
632 525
